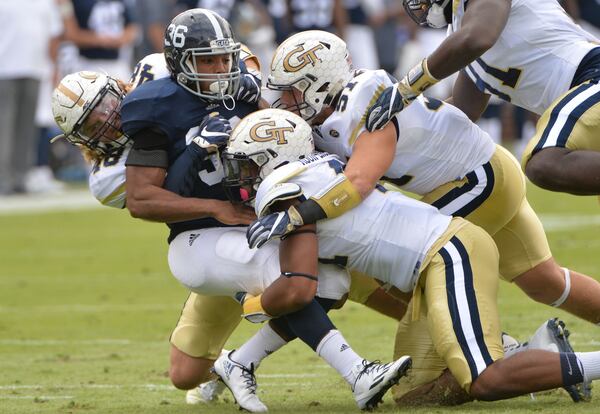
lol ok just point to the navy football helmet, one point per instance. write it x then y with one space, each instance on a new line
201 32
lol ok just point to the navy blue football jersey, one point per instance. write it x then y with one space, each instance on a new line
104 17
162 104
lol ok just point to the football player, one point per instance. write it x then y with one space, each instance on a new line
197 325
431 149
449 264
531 54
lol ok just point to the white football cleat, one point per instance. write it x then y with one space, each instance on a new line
374 379
241 382
553 336
204 393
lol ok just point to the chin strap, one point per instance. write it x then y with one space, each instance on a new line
567 290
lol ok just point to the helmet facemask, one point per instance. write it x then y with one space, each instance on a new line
300 106
221 85
431 13
243 175
99 126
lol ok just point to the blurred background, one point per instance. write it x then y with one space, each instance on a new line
43 40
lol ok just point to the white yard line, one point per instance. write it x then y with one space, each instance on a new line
41 203
152 387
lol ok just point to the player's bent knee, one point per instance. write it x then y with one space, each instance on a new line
187 372
186 379
484 388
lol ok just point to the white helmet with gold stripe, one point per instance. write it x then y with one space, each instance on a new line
86 108
260 143
316 63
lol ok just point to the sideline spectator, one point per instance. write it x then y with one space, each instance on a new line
106 35
29 31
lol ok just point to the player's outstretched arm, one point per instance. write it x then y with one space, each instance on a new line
482 24
481 27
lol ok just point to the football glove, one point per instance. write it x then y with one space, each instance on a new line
272 226
213 133
252 308
394 98
249 90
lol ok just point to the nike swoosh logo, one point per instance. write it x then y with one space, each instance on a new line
206 133
570 367
338 201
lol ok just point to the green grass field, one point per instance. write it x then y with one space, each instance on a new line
87 304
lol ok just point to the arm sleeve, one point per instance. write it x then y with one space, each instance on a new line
149 149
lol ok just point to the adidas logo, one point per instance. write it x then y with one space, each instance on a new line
228 366
192 238
344 347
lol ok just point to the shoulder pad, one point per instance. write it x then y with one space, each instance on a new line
267 193
247 55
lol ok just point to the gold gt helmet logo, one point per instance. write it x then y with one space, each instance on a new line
270 134
304 58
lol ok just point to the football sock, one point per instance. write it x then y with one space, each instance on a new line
262 344
571 368
590 364
284 328
310 323
334 349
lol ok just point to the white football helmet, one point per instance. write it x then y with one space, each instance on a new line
260 143
432 13
315 62
86 108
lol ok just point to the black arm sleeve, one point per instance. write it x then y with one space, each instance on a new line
149 149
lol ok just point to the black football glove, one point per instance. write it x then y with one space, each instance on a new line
249 90
213 134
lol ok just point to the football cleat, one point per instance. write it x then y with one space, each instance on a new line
241 382
374 379
553 336
206 392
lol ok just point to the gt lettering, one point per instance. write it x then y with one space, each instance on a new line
304 58
270 134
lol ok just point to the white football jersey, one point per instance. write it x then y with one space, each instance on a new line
387 236
534 60
107 179
436 144
151 67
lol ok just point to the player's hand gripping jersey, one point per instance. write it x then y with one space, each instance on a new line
436 142
536 57
387 236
